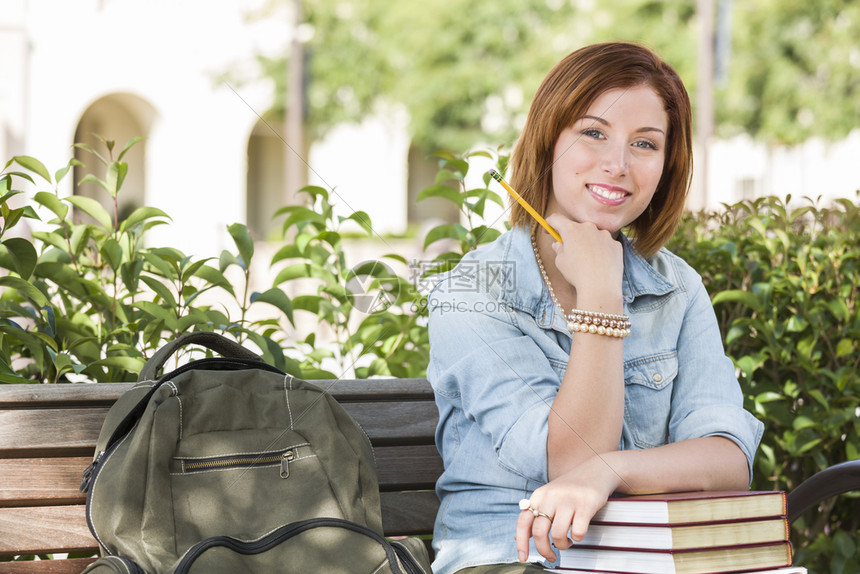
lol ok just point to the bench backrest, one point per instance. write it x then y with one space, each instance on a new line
48 435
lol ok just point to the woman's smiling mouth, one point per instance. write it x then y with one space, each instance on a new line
606 194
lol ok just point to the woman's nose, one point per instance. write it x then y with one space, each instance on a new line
615 160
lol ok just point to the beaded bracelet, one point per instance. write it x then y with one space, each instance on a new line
580 321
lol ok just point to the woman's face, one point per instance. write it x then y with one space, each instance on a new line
606 166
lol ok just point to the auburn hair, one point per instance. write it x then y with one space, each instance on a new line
566 94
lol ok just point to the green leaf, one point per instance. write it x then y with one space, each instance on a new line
33 165
295 271
14 379
10 216
128 146
92 208
748 364
215 277
191 270
130 274
277 298
160 289
80 237
444 175
131 364
23 255
442 191
25 289
61 173
90 178
440 232
302 215
362 218
158 312
286 252
243 241
116 172
111 250
140 215
89 148
738 296
802 422
845 348
796 324
53 203
302 241
226 260
843 544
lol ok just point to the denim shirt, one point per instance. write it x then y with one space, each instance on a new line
498 351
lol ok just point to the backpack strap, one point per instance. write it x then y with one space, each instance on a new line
218 343
123 415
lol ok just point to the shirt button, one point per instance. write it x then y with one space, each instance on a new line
657 377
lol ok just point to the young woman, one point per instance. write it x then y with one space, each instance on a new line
542 395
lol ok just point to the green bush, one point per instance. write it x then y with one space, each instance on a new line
784 283
90 298
87 297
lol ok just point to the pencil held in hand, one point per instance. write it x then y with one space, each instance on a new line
498 177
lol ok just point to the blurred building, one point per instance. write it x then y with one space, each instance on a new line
183 75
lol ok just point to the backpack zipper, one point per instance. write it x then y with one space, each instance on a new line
283 458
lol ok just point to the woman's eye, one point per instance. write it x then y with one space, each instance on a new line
592 133
646 144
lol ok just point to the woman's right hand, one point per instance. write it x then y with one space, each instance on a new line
571 500
589 258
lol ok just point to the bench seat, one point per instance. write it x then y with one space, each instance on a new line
48 435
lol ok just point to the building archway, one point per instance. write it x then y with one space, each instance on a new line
266 182
119 118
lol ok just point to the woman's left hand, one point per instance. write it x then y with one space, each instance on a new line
570 501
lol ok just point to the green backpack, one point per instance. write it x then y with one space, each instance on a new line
229 465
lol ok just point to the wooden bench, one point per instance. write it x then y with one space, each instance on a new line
48 435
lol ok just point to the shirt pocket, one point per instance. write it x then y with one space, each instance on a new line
648 397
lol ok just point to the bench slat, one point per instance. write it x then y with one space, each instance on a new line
42 481
50 432
407 513
37 433
55 481
48 529
70 566
89 394
44 530
407 467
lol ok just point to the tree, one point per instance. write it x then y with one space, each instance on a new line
795 70
466 71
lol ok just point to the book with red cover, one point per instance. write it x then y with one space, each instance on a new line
680 537
786 570
692 507
690 561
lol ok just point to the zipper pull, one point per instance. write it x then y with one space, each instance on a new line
90 471
288 456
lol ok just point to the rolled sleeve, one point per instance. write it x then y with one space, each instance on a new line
728 421
707 398
499 379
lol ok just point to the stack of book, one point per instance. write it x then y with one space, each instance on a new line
686 533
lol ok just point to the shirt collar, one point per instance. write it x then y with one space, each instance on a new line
527 291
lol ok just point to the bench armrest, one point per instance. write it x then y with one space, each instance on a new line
832 481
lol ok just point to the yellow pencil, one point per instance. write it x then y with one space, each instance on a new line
498 177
